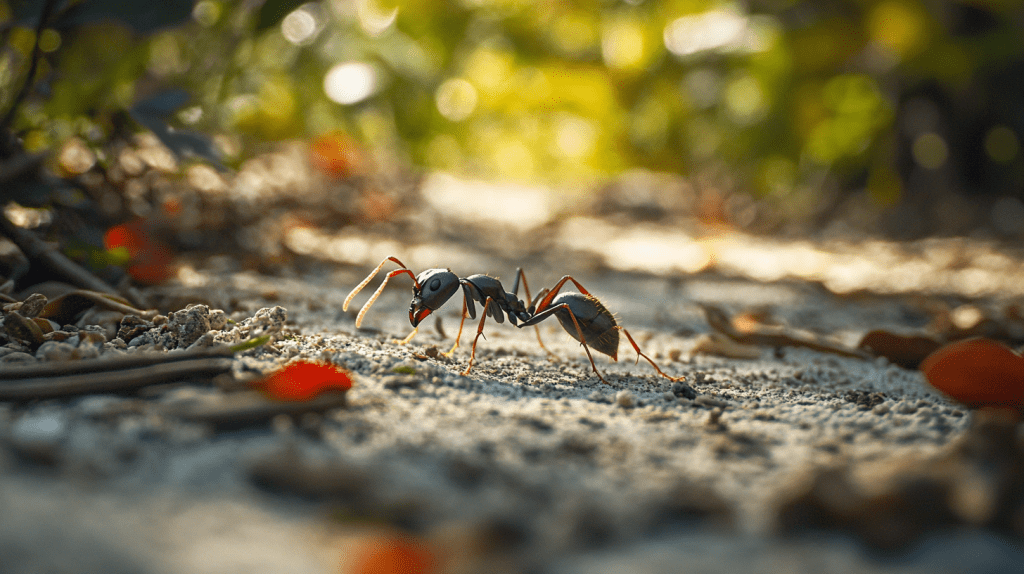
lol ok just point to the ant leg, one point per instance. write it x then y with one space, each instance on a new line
408 338
520 274
583 340
461 323
358 288
479 333
366 307
640 354
549 295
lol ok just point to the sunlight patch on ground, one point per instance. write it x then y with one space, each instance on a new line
518 206
972 268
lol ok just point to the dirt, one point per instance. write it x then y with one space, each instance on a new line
529 462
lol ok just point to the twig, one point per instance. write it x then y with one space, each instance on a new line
44 18
38 250
774 337
113 381
63 369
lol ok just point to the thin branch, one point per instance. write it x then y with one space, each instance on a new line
66 368
119 381
38 250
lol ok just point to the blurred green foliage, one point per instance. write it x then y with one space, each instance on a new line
787 94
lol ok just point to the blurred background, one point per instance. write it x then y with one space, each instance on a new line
897 118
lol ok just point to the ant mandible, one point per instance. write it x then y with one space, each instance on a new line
584 317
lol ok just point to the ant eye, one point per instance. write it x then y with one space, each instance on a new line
434 284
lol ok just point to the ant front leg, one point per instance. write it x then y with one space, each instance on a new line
461 323
479 333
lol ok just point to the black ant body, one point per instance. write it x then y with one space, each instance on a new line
584 317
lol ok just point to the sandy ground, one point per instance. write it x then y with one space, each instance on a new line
526 464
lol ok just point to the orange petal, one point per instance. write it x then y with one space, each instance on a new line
304 381
977 372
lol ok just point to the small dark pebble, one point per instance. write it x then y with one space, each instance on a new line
131 327
684 390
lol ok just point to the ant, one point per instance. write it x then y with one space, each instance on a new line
584 317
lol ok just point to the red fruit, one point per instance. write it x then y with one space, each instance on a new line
977 372
304 381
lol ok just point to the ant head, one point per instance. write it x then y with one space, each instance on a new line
434 287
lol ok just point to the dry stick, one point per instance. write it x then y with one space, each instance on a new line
118 381
63 369
37 249
774 337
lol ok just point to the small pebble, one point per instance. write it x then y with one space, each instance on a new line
17 357
625 399
55 351
218 319
669 396
880 409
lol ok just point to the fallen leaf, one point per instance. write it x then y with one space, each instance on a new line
977 372
904 350
393 554
68 307
304 381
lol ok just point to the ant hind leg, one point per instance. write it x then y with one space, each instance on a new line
641 354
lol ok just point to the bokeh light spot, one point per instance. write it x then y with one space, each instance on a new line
49 40
712 30
574 136
299 27
898 27
456 99
744 100
374 20
622 43
1001 144
206 12
351 82
930 150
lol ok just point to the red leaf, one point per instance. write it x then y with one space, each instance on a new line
395 555
304 381
978 372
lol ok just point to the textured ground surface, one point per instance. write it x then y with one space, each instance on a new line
527 463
